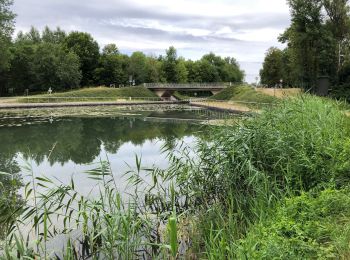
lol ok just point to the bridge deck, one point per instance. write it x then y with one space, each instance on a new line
189 86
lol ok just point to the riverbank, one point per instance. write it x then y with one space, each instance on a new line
84 104
254 190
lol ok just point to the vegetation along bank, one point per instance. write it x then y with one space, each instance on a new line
275 185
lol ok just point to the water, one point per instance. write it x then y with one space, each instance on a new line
61 143
64 142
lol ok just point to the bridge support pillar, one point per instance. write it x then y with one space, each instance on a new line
214 92
164 94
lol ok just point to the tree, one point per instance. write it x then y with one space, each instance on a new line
6 29
137 67
305 38
154 70
112 67
169 65
110 49
55 67
338 13
53 36
208 71
87 49
181 72
231 71
21 73
272 71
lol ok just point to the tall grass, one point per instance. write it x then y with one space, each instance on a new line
209 200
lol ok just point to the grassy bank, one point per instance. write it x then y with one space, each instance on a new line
243 93
274 186
92 94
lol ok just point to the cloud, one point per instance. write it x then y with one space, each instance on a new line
238 28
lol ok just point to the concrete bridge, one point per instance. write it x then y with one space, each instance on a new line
166 90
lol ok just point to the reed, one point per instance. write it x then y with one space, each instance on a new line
230 189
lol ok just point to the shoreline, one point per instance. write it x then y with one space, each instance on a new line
231 109
84 104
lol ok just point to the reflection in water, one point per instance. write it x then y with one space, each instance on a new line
80 140
61 146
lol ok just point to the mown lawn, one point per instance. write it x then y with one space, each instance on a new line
92 94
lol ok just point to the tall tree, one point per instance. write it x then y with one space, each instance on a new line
272 71
112 67
138 67
6 29
304 37
169 65
339 21
87 50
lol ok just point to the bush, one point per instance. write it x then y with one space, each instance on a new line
341 92
310 226
238 177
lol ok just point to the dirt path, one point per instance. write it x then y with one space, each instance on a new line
225 106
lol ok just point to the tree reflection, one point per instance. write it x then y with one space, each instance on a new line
80 140
10 183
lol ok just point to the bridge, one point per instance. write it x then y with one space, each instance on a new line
166 90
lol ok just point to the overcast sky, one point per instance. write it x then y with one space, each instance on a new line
243 29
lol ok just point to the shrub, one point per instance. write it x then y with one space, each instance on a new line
310 226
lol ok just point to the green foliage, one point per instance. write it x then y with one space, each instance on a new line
112 69
137 67
245 94
299 145
87 49
316 45
6 30
310 226
272 186
55 67
44 65
272 71
53 58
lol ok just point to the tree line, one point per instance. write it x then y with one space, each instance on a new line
54 58
317 45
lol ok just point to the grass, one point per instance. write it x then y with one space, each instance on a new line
314 225
93 94
273 186
243 93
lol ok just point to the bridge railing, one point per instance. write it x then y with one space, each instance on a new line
188 85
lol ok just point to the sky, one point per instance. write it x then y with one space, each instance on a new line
243 29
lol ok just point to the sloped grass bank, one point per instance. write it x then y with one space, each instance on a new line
93 94
243 93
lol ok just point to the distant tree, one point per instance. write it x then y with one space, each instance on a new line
112 67
194 73
22 74
53 36
138 67
272 71
87 50
55 67
208 71
154 70
231 71
181 71
110 49
169 65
